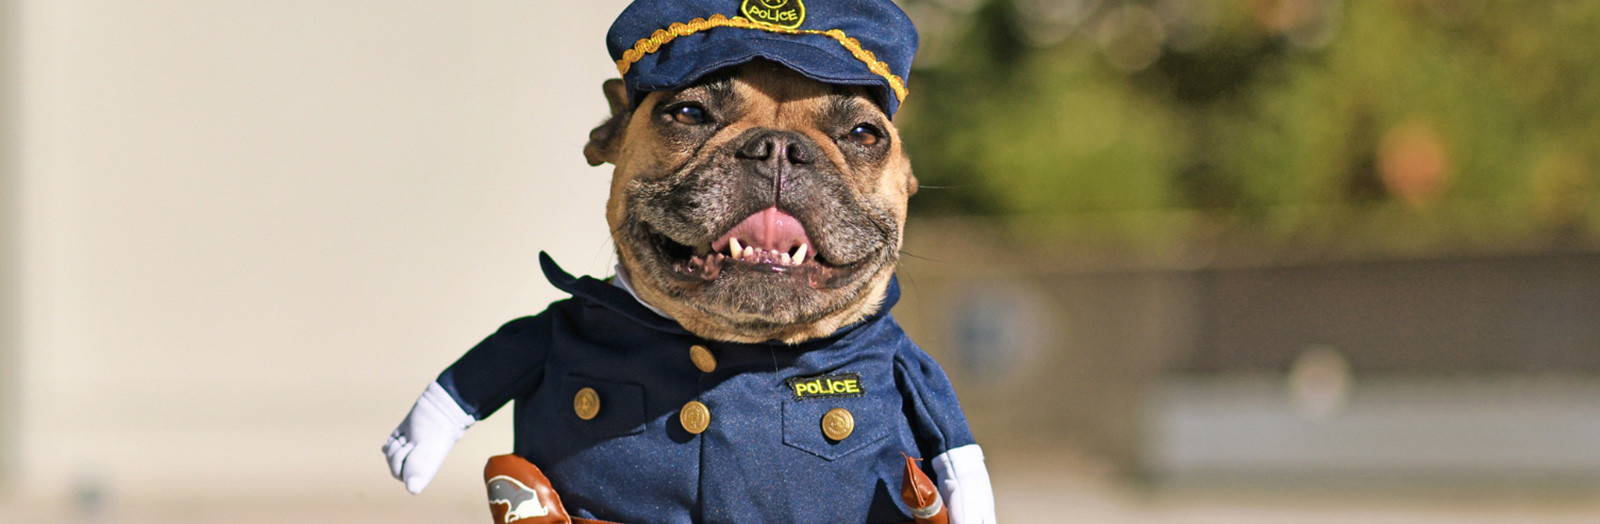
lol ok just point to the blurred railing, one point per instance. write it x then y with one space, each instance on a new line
1117 352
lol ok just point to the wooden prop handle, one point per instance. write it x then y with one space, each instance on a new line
919 492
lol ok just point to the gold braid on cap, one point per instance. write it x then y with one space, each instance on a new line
659 38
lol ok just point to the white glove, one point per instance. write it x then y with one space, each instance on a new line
417 448
964 484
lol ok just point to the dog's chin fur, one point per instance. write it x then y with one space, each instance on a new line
715 326
850 199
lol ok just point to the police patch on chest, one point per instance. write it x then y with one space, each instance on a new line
825 386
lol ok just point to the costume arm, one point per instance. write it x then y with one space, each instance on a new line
964 482
942 432
417 447
504 365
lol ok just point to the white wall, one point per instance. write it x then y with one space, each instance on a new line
8 240
250 232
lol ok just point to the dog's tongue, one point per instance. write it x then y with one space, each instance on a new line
770 229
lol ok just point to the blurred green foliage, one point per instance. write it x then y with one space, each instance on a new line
1409 122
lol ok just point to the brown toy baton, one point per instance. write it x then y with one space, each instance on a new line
922 496
519 493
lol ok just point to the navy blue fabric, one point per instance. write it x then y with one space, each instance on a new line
762 459
879 25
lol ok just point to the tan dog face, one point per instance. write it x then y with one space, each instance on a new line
806 179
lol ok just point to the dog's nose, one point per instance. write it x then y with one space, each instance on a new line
772 144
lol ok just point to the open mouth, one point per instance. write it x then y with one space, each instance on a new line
768 241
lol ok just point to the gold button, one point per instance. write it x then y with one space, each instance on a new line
703 358
837 424
695 417
587 403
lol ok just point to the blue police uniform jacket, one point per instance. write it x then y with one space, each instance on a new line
763 457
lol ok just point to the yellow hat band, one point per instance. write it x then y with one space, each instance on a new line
660 37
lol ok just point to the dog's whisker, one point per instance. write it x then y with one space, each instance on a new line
909 254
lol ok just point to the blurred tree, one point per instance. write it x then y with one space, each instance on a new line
1413 122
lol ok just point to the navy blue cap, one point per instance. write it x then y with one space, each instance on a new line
661 45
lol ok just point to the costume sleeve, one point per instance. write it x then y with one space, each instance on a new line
936 416
500 367
943 436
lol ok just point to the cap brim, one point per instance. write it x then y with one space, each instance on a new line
801 53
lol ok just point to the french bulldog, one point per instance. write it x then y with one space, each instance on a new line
742 365
756 204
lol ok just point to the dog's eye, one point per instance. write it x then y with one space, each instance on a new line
689 114
865 135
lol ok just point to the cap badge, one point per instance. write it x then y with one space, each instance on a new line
787 14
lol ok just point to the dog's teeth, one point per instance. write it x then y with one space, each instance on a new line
799 255
749 253
735 249
784 257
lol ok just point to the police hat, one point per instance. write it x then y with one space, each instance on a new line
663 45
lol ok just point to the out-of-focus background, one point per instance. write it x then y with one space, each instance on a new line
1186 261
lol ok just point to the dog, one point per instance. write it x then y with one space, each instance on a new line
741 366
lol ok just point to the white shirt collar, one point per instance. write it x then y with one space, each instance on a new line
622 281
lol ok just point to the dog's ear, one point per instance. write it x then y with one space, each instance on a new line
603 139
